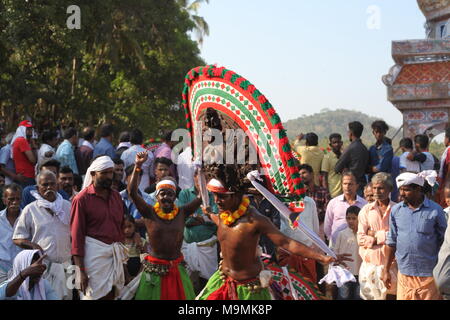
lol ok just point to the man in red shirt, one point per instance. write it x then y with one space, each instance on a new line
24 150
96 227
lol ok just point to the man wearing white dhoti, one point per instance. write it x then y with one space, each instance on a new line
96 224
44 225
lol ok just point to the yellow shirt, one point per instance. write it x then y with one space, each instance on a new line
312 156
334 179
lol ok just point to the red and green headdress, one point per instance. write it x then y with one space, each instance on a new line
237 100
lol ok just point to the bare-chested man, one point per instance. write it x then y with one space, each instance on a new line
239 229
164 276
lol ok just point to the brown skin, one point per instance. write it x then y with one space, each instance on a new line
379 137
239 241
12 199
349 188
65 182
369 194
161 171
47 189
34 271
336 147
31 154
307 178
102 181
447 196
165 237
352 222
413 197
118 170
381 196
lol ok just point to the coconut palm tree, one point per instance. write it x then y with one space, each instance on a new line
201 26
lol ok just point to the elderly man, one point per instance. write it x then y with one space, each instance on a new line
50 165
335 214
373 227
96 225
416 232
12 194
164 276
44 225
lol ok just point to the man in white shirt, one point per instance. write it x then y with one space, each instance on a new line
44 225
185 168
406 165
129 155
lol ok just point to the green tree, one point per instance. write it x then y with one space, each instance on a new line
126 64
201 26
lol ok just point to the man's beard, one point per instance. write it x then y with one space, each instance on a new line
105 184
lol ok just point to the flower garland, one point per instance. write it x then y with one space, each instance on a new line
166 216
229 218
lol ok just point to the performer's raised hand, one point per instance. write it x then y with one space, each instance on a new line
141 157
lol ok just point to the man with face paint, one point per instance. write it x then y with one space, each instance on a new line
416 232
164 276
96 225
44 225
241 275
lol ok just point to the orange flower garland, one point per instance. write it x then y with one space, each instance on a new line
229 218
166 216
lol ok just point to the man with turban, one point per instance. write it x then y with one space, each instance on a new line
96 224
164 276
416 232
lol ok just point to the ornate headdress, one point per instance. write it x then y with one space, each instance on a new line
240 105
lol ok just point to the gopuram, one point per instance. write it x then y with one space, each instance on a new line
419 82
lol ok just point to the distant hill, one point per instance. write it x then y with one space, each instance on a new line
327 122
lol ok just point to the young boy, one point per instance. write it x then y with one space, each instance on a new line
368 193
135 245
346 242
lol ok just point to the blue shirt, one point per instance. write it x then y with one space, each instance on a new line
104 147
49 292
381 157
5 158
27 198
417 235
8 250
66 156
130 206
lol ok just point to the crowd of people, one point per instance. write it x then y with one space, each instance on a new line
125 221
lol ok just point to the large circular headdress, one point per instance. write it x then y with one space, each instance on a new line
240 105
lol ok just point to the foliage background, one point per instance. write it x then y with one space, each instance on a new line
125 65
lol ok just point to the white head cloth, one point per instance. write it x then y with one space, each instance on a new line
408 178
56 206
21 262
165 184
99 164
21 131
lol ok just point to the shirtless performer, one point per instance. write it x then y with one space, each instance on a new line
164 276
239 229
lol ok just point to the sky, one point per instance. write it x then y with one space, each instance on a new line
308 55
